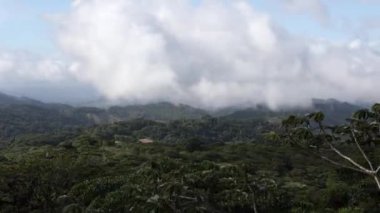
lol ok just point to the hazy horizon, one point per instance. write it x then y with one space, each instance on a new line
204 53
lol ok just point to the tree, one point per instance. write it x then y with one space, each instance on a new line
361 133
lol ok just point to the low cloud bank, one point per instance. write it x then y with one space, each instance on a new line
213 54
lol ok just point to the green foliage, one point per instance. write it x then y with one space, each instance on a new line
203 165
221 178
351 146
351 210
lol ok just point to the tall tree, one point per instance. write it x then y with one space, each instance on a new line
361 132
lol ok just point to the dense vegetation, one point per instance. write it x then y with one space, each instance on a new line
203 164
151 177
188 169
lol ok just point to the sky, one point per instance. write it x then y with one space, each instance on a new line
206 53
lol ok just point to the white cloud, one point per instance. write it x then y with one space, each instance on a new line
43 78
218 54
25 66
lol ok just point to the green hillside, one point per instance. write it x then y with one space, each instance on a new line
175 158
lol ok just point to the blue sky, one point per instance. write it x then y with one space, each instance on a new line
24 23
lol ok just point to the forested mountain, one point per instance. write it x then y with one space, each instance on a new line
9 100
24 115
157 111
335 111
175 158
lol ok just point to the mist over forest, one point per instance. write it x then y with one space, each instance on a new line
189 106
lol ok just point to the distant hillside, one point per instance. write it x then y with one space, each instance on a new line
9 100
157 111
160 111
335 111
23 116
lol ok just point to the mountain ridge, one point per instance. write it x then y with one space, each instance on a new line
24 115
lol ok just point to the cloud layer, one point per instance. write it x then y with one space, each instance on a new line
216 54
26 74
211 54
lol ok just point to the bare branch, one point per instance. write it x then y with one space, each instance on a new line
187 198
377 181
336 163
365 170
377 170
345 157
341 164
361 150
